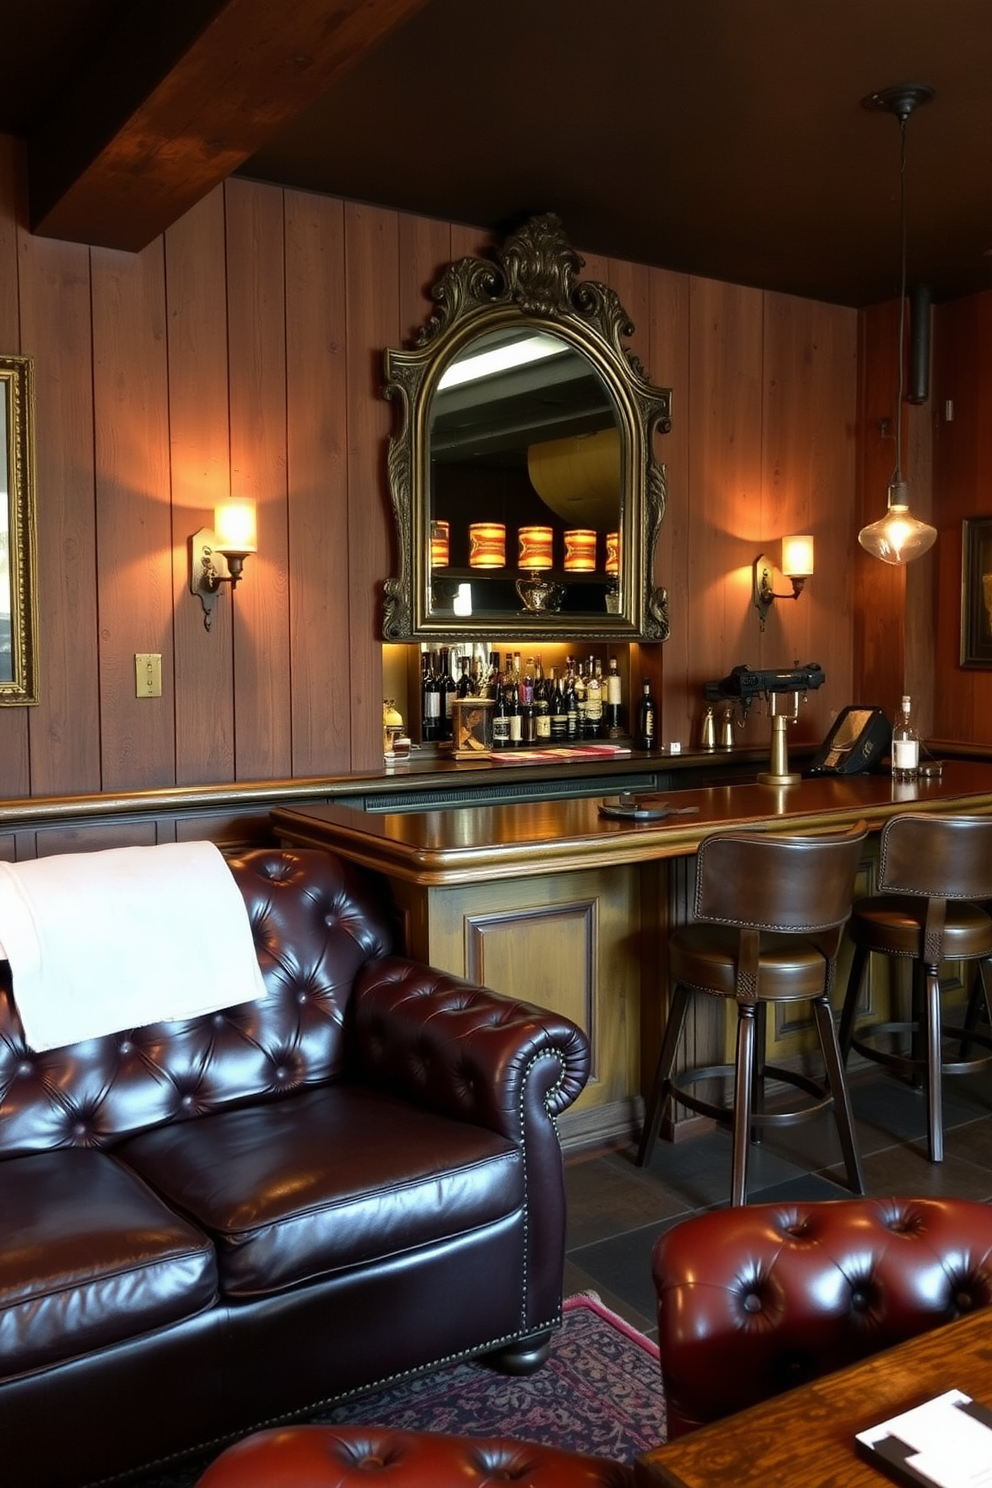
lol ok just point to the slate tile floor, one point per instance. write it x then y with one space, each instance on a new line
616 1210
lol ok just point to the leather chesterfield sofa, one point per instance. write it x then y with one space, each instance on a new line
752 1301
212 1225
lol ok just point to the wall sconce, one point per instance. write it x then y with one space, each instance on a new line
580 550
487 545
797 565
217 555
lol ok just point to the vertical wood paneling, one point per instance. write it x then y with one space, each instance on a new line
15 770
256 320
134 522
200 453
725 479
317 402
808 472
371 237
56 330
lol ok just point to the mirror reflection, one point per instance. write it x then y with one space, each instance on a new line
525 479
523 474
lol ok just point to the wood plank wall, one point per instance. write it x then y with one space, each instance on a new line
242 352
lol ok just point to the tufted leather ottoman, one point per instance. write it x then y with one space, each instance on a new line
752 1301
360 1456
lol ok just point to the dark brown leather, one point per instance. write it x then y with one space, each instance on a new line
356 1178
358 1456
770 916
931 871
755 1300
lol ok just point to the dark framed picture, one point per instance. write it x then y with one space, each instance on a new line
976 592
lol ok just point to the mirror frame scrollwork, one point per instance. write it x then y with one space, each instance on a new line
532 281
18 571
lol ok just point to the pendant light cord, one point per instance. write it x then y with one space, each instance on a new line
897 479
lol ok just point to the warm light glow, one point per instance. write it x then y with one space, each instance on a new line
580 550
536 548
797 557
898 537
487 545
440 544
613 552
234 527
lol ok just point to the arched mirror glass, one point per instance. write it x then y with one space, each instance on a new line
524 481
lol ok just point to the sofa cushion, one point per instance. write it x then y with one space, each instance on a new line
325 1180
90 1256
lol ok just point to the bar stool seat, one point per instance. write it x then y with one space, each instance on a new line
932 870
770 913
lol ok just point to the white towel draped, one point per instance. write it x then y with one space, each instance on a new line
105 941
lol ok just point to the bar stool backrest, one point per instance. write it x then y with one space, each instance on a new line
939 857
797 885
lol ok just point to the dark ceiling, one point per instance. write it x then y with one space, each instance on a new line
721 137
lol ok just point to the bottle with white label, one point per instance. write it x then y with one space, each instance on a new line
905 746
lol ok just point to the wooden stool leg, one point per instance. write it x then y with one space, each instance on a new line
851 999
742 1101
666 1064
837 1085
931 1024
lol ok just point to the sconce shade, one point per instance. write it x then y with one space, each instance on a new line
536 548
440 544
234 527
580 550
898 537
797 557
487 545
613 552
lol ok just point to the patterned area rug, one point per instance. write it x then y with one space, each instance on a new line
599 1392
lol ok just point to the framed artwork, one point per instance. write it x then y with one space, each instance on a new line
976 592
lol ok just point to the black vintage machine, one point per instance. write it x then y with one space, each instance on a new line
783 691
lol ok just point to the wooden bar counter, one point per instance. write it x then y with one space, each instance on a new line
554 903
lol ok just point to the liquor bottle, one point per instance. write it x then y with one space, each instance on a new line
614 703
501 721
447 685
558 710
571 700
430 701
579 687
492 676
594 699
463 687
542 705
512 693
647 719
905 746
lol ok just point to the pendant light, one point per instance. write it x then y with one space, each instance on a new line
899 537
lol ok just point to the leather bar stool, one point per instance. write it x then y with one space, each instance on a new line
931 871
770 914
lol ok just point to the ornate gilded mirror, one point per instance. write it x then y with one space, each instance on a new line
525 486
18 598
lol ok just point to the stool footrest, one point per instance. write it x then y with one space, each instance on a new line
821 1097
907 1064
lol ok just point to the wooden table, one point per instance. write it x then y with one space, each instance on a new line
805 1438
550 902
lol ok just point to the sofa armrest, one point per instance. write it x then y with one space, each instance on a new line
462 1050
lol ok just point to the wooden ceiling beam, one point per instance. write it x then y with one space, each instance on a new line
167 109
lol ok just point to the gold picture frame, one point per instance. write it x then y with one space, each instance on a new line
18 568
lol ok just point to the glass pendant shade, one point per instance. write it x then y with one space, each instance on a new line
898 537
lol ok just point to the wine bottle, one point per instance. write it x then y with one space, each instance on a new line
571 700
513 712
614 703
446 684
647 719
542 705
594 699
430 701
905 745
463 687
501 721
558 710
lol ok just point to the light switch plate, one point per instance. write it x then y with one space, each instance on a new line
147 674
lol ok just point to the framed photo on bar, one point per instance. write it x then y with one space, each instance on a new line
976 592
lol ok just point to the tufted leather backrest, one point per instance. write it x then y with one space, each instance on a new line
755 1300
315 923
